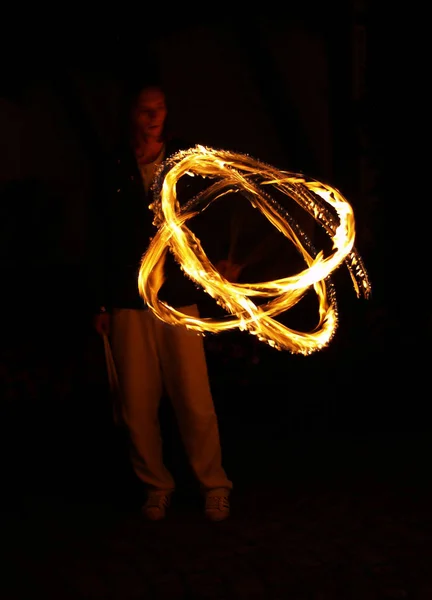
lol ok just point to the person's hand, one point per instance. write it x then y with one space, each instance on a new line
102 323
229 270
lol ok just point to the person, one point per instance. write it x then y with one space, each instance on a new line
151 357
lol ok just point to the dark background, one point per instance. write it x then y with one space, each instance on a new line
327 91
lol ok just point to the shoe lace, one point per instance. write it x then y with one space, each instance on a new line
217 502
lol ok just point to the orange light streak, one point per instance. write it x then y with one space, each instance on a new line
228 170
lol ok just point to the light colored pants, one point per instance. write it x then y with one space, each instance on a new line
151 357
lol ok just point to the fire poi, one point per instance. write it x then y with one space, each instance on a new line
228 170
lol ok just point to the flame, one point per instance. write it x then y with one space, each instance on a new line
230 171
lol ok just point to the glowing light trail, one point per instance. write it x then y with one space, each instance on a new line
230 171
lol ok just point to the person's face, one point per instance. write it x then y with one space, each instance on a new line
150 113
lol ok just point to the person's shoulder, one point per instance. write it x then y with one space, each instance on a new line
120 154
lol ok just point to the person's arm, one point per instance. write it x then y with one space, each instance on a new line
100 251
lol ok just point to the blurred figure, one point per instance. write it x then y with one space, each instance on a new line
150 356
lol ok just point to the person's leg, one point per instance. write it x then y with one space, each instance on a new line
139 373
186 379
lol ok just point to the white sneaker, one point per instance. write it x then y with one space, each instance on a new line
156 504
217 506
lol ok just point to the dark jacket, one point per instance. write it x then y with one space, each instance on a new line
123 227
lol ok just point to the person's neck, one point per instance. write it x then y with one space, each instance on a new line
147 149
